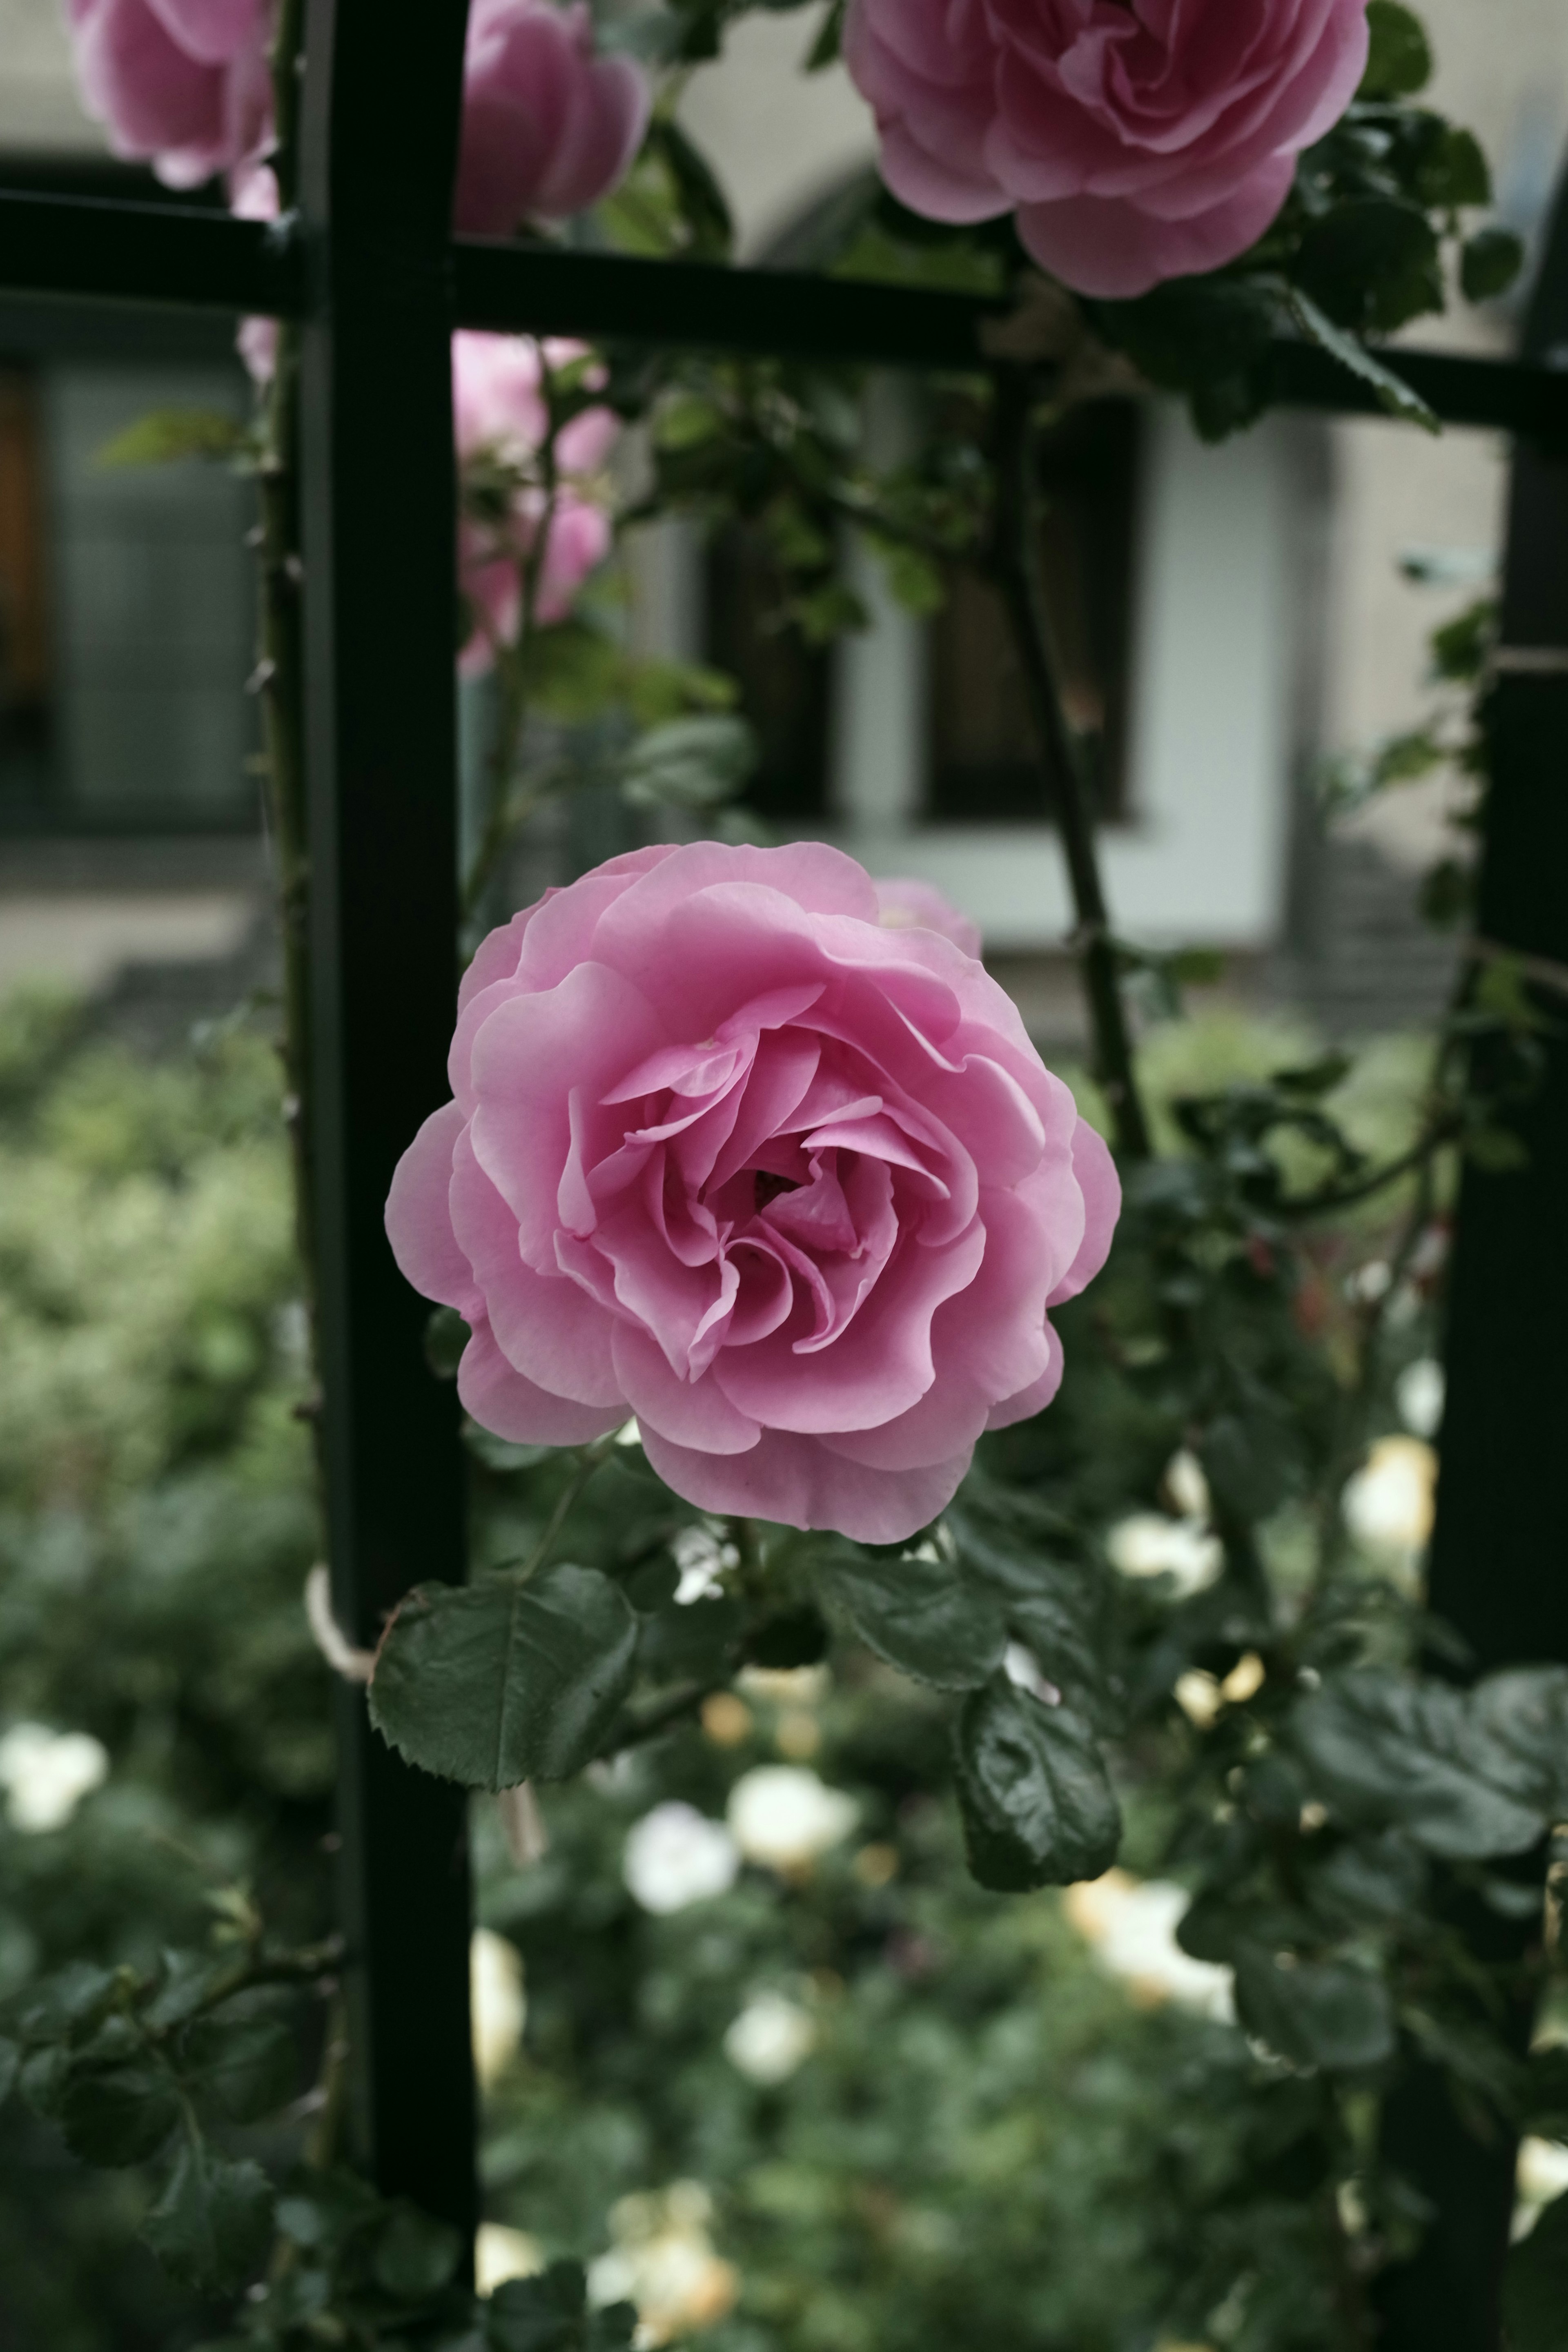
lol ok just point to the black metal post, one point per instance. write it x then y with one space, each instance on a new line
1500 1558
379 140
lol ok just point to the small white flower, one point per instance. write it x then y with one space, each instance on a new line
1541 2177
501 2253
702 1559
663 2260
46 1774
1388 1505
676 1856
1418 1392
783 1816
496 2002
770 2037
1149 1544
1132 1926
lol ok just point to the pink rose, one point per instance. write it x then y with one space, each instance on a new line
548 127
184 83
906 902
727 1154
1137 140
501 418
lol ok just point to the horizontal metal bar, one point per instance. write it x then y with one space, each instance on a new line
166 254
147 252
1501 395
704 306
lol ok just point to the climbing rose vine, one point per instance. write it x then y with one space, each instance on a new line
792 1186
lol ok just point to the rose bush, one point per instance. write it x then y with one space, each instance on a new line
182 83
791 1187
1136 140
548 127
501 423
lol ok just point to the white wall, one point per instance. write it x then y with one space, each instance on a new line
1203 854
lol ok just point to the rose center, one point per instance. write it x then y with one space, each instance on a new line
767 1187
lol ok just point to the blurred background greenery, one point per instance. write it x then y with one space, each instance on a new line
752 2043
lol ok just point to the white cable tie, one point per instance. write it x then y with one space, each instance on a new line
354 1666
522 1825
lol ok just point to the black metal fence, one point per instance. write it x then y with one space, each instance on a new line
367 264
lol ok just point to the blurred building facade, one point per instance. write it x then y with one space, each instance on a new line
1241 612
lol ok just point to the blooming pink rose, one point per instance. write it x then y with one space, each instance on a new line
1137 140
728 1154
184 83
548 127
904 902
500 414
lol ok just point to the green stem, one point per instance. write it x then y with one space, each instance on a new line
1015 567
588 1461
504 816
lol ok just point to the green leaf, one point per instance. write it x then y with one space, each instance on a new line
1455 173
1394 394
1417 1753
921 1615
10 2067
1535 2285
212 2226
1316 2012
825 50
118 2114
1525 1711
240 2068
1399 62
543 2314
502 1681
704 210
414 2254
1489 263
690 763
167 435
1038 1809
1371 263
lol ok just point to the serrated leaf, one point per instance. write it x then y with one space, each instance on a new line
167 435
1038 1805
1535 2285
1399 60
240 2068
921 1615
118 2114
1417 1754
1371 263
1316 2013
1394 394
499 1682
212 2226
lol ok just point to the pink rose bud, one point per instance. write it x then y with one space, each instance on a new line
1136 140
184 84
904 902
728 1154
548 127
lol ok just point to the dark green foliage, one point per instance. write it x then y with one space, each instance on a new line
505 1680
1038 1809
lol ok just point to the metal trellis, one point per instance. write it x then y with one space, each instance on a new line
369 266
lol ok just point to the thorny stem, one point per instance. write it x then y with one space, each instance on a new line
1014 564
